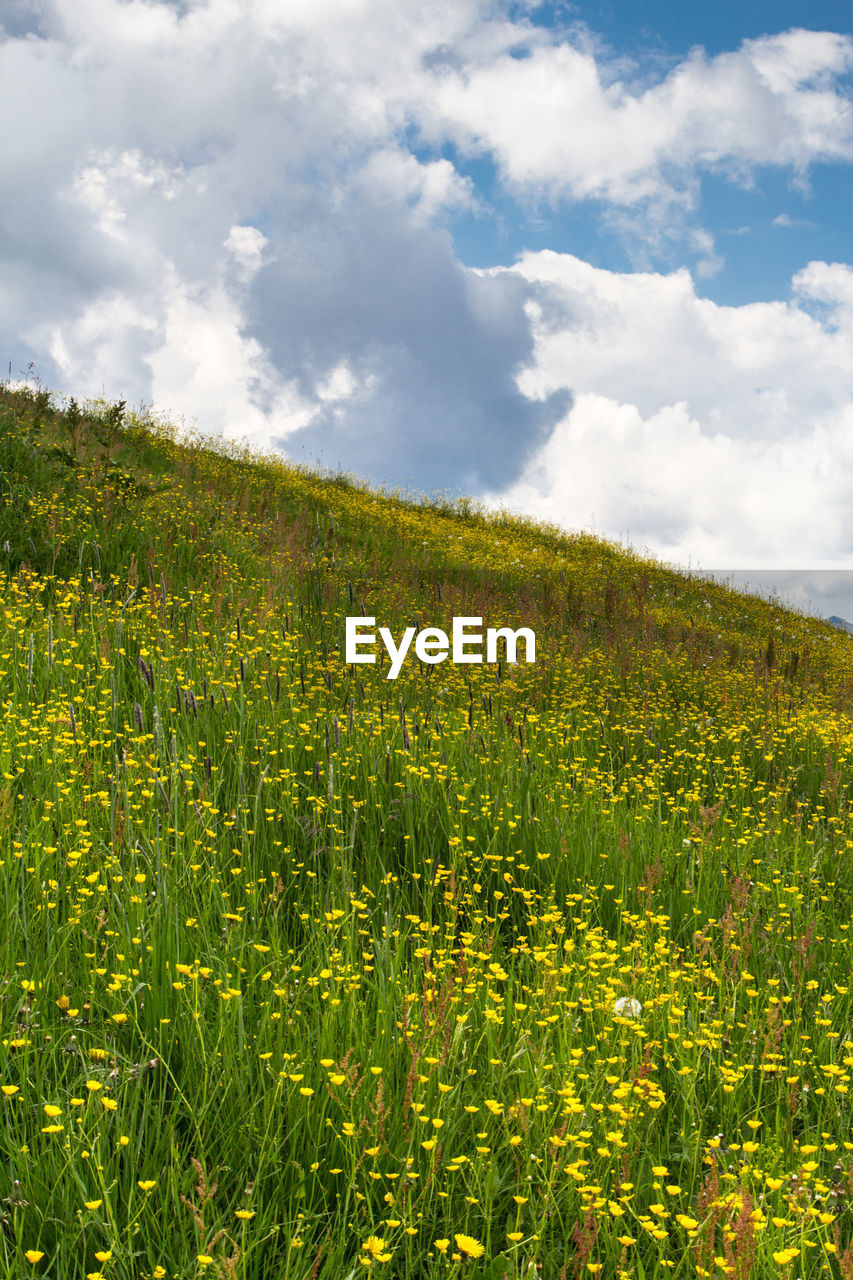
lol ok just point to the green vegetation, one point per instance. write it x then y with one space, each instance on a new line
507 971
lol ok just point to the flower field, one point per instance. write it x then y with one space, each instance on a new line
487 971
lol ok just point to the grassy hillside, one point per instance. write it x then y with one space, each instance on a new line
499 971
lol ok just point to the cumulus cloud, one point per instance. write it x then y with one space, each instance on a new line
395 177
557 122
721 434
247 245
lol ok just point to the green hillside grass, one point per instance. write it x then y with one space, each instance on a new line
311 973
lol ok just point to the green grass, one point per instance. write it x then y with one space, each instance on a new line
289 940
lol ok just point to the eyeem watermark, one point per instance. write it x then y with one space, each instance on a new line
434 645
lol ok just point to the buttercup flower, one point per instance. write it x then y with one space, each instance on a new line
469 1247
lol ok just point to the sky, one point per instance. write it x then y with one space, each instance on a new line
590 262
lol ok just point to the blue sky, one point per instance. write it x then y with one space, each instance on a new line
671 30
791 227
589 262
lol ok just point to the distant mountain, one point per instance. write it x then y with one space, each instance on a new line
841 623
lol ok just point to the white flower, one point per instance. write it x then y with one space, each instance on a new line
628 1007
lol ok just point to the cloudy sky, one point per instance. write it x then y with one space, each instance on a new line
592 261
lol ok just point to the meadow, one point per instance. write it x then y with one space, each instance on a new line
491 972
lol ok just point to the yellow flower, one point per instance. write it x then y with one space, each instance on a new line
147 1185
441 1245
515 1236
468 1246
104 1255
244 1214
204 1258
9 1089
53 1111
94 1204
33 1255
374 1245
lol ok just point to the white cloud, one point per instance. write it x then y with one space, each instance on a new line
110 182
715 433
110 332
557 124
341 384
830 283
785 220
247 245
650 339
709 261
396 177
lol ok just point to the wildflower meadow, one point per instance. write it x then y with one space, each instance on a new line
510 970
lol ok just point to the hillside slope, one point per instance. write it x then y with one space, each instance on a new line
513 969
